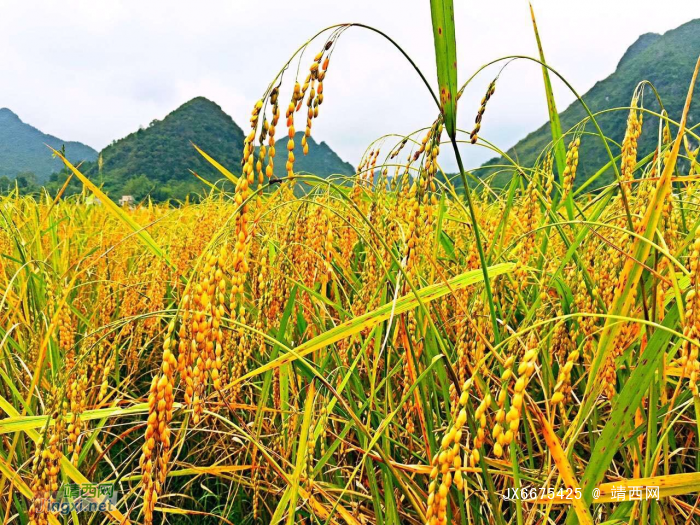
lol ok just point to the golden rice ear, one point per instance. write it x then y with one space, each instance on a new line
473 136
569 175
628 159
447 462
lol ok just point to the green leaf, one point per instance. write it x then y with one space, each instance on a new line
555 124
625 405
25 423
443 16
384 312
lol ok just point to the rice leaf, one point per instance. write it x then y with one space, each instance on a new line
443 17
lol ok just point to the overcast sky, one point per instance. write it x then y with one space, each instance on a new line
94 71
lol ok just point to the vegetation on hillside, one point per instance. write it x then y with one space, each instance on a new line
665 61
23 150
320 160
158 161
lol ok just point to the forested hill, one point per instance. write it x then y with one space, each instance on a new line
667 61
156 161
321 159
23 149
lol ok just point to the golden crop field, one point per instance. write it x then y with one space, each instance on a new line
384 348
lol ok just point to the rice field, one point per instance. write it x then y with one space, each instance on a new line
384 348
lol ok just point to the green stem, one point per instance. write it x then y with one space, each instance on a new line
477 238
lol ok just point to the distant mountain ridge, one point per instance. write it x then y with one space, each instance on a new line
321 159
199 121
23 149
667 61
156 160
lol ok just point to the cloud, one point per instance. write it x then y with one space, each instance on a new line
95 71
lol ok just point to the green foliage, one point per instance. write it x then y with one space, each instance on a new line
25 182
443 18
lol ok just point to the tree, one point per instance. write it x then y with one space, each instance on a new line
26 182
139 187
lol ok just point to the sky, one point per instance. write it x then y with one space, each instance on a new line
96 71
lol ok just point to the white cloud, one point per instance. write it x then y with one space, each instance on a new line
95 71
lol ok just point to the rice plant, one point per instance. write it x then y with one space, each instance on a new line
401 346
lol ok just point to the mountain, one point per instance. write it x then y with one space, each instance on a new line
23 149
321 159
155 161
667 61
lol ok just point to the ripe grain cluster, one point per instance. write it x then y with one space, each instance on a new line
341 355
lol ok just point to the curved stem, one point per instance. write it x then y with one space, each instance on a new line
477 238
